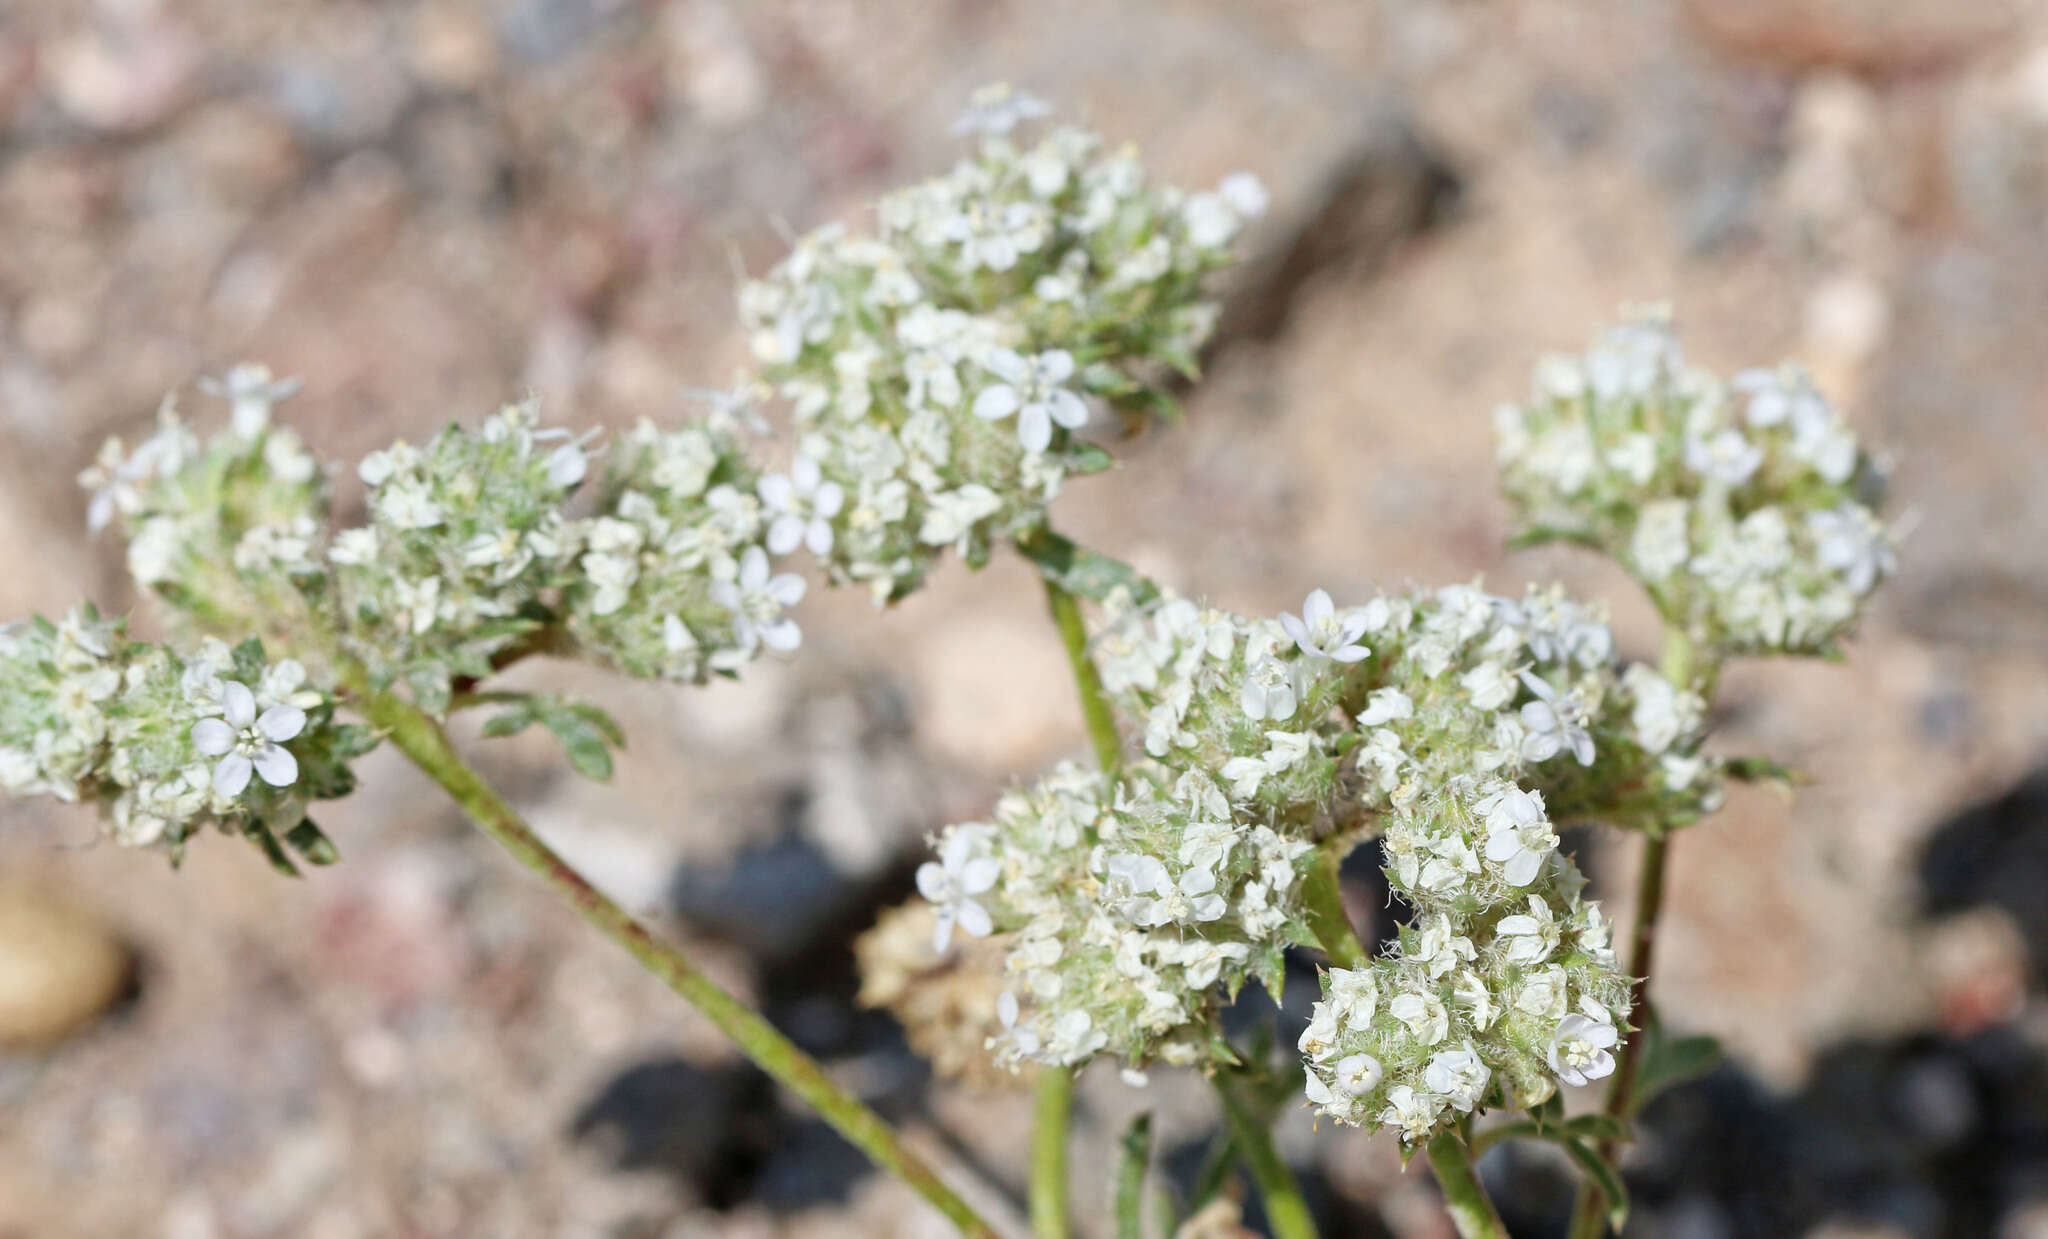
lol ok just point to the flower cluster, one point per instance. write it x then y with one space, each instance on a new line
1458 725
465 546
675 580
166 743
1747 509
239 516
939 369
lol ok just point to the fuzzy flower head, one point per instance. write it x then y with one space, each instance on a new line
941 371
1747 509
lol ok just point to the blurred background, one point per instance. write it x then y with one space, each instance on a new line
425 208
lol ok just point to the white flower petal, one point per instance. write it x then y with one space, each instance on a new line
282 722
238 704
994 404
212 737
1034 428
232 775
277 766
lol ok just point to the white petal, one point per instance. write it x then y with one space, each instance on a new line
1296 631
1034 428
980 875
818 536
933 882
212 737
830 497
282 722
232 775
806 473
278 767
1515 925
776 491
1068 409
1317 607
974 919
1502 845
995 403
1523 869
1056 365
753 569
786 588
782 635
785 533
1351 654
238 703
1006 364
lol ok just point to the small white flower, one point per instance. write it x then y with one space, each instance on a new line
1244 193
1358 1074
1532 936
246 742
1424 1014
1032 388
1727 458
1553 725
1386 705
1024 1038
1321 632
1849 542
757 601
1518 835
997 108
964 869
1458 1076
251 393
1413 1112
1580 1050
804 504
1269 691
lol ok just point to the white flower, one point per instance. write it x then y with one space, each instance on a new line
1413 1112
1320 632
757 601
1244 193
245 741
1533 935
1424 1014
1386 705
1518 835
1358 1074
1553 725
1849 542
804 503
1032 389
1458 1076
1269 692
964 869
1662 713
1024 1039
251 393
1580 1050
997 108
1727 458
1660 543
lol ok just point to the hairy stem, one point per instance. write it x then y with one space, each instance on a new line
420 738
1323 900
1471 1212
1053 1116
1102 733
1589 1208
1287 1213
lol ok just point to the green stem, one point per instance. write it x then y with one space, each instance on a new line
1049 1152
1323 900
1066 615
1589 1209
1471 1212
420 738
1286 1212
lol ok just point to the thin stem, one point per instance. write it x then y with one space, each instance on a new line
1066 615
1471 1212
1323 899
1589 1220
1054 1115
420 738
1286 1212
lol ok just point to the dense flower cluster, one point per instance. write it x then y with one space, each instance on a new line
675 579
166 743
1747 509
939 369
465 547
1457 724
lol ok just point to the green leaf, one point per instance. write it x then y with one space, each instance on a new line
1086 458
309 841
273 851
1670 1061
1133 1158
1539 535
1764 770
1599 1129
603 722
1080 571
1604 1176
583 741
511 722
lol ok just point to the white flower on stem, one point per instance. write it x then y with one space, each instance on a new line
251 394
1032 388
1553 725
1269 692
997 108
963 870
1358 1074
1459 1076
248 742
804 503
757 601
1581 1049
1321 632
1518 834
